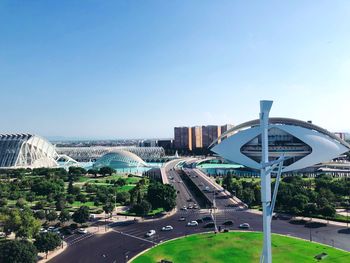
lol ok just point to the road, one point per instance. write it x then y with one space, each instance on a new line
128 239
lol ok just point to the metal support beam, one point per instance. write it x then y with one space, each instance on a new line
265 175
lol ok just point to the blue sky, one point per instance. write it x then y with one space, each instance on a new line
131 69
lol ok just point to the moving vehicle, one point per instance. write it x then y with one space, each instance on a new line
167 228
182 218
192 223
200 220
184 208
82 231
244 225
150 233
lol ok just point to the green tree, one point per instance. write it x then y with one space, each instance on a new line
81 215
40 214
64 216
17 251
46 242
106 171
248 196
160 195
51 216
142 208
108 208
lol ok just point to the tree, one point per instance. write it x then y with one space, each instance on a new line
248 196
81 215
60 204
46 242
3 202
160 195
106 170
20 203
93 172
298 203
23 223
108 208
17 251
328 211
64 216
40 214
142 208
51 216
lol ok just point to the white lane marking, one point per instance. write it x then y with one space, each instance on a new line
126 234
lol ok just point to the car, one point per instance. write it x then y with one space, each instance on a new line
244 226
82 231
184 208
43 230
182 218
199 220
50 228
190 207
228 223
2 235
167 228
195 206
209 225
150 233
192 223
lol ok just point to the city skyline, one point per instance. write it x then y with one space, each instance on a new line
136 70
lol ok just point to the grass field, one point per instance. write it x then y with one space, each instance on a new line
240 247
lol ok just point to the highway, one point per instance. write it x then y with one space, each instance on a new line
128 239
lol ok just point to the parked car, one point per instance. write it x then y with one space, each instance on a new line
190 207
167 228
2 235
184 208
82 231
150 233
182 218
244 226
192 223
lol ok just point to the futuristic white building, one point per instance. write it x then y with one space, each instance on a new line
302 143
119 159
26 151
86 154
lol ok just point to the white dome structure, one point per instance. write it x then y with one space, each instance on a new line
120 159
26 151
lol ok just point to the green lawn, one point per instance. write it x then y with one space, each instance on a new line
240 247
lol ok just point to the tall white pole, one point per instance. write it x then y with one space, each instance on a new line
265 107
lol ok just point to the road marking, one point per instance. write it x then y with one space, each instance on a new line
126 234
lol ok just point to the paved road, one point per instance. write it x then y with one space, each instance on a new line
128 239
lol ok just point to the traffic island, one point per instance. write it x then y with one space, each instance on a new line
239 247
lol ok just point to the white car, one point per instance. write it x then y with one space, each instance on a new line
244 225
167 228
192 223
150 233
184 208
82 231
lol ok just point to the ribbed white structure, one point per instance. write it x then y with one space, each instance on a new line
119 159
26 151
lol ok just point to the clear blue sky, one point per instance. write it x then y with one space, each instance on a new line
130 69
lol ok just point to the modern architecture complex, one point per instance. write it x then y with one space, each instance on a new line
26 151
302 143
87 154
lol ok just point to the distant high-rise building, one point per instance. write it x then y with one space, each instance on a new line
183 138
210 133
197 137
225 128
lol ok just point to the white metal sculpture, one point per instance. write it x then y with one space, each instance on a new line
306 145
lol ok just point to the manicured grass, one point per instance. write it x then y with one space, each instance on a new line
79 204
240 247
126 188
151 213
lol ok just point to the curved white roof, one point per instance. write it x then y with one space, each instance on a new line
120 156
26 151
323 145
